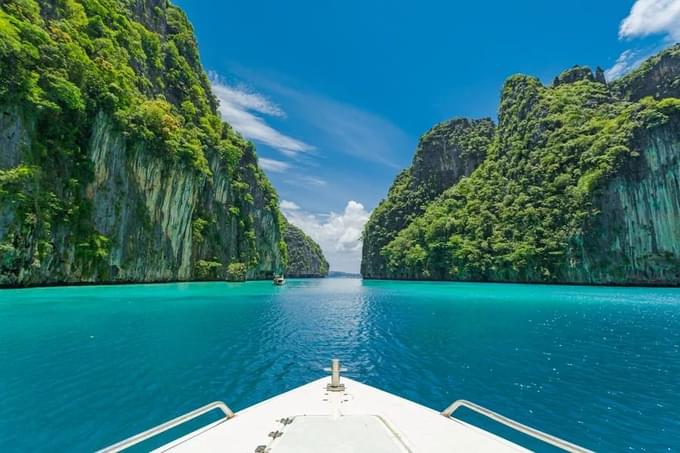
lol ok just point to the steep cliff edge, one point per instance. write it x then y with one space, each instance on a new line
635 238
656 77
445 154
581 184
114 165
305 258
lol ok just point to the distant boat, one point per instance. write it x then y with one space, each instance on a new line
279 280
336 417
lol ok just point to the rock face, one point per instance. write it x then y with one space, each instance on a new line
580 184
114 166
305 258
445 154
656 77
637 232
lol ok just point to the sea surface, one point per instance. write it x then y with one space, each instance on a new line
84 367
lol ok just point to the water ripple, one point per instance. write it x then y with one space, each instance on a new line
85 367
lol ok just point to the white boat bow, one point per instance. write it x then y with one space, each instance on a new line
334 417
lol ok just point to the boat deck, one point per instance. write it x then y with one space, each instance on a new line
359 419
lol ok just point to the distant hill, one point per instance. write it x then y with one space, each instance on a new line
305 258
338 274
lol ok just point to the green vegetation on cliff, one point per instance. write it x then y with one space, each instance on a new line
305 258
445 153
113 154
561 158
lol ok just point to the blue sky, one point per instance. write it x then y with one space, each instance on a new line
336 93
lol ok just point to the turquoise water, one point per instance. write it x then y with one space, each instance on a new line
81 368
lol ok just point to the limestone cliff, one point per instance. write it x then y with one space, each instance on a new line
445 154
114 165
580 184
635 238
305 258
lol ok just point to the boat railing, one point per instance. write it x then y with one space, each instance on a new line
517 426
141 437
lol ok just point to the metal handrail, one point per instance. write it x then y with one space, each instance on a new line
529 431
141 437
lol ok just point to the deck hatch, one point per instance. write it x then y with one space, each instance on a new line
356 433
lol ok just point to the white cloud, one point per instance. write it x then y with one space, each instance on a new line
356 132
627 61
238 107
339 235
308 181
649 17
241 97
312 181
273 165
646 17
341 127
289 206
